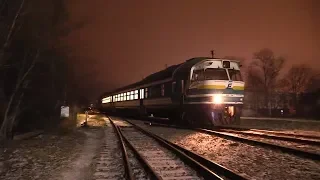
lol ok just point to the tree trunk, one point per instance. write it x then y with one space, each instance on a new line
6 120
13 118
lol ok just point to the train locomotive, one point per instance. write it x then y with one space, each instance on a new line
201 91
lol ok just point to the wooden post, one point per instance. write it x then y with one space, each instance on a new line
86 121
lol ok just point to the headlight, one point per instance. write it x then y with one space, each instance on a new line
217 99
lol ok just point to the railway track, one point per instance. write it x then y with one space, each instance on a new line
271 133
164 160
285 149
232 134
255 133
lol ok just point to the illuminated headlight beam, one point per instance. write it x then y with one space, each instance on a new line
217 99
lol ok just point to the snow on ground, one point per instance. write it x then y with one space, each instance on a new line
80 167
54 155
251 161
40 157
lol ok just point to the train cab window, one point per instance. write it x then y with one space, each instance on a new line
215 74
162 89
235 75
198 75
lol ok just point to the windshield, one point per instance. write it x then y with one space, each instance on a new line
235 75
209 74
215 74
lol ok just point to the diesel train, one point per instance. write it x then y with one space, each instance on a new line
201 91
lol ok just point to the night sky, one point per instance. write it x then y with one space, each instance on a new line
123 41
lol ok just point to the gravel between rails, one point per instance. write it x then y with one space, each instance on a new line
251 161
165 163
109 162
137 169
297 145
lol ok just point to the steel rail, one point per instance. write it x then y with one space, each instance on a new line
294 151
270 136
268 132
128 170
199 163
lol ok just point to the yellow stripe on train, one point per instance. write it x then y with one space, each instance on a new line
238 88
212 87
220 87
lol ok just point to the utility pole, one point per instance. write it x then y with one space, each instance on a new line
212 53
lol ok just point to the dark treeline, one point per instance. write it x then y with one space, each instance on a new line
294 94
35 77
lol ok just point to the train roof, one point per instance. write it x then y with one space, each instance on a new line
170 72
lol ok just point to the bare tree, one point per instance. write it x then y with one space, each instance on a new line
8 120
297 80
265 70
43 26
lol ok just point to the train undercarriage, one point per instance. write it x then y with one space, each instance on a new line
207 115
192 115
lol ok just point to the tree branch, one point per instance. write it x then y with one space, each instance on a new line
11 30
6 122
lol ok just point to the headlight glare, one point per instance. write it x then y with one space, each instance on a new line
217 99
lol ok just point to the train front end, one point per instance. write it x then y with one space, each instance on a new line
216 92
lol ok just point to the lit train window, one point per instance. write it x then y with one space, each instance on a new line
128 95
106 100
136 91
141 93
124 97
132 95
